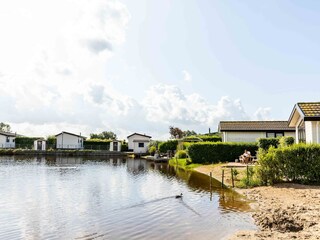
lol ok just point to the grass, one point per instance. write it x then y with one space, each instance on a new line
183 163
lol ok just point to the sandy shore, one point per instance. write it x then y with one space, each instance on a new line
283 211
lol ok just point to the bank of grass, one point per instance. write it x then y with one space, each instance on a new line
183 163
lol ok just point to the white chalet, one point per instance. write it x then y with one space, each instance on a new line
138 143
305 118
66 140
7 140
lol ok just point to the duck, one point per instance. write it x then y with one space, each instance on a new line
179 196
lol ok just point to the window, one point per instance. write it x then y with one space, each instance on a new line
8 139
302 132
274 134
141 145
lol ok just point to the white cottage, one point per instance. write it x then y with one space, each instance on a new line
250 131
7 140
115 146
138 143
40 144
66 140
305 118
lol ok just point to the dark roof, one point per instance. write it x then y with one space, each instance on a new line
255 126
310 109
143 135
8 134
70 134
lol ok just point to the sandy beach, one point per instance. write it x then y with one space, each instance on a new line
282 211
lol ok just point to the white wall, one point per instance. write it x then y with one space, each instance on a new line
5 144
290 134
43 146
312 131
133 143
242 136
119 146
68 141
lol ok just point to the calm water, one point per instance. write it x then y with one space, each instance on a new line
76 198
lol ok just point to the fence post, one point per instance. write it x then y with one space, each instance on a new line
222 178
232 177
210 180
247 182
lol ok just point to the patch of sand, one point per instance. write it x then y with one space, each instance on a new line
282 211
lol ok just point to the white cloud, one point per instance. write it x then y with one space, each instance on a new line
186 76
263 114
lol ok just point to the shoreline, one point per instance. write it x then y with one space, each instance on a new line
282 211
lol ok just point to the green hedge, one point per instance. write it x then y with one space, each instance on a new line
181 154
210 138
170 145
25 142
265 143
297 163
97 144
207 152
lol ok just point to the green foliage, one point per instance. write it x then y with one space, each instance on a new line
124 146
181 154
51 141
97 144
154 143
265 143
25 142
297 163
170 145
5 127
210 138
175 132
286 141
209 152
189 133
152 150
104 135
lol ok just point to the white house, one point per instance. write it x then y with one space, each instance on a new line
305 118
138 143
66 140
40 144
250 131
7 140
115 146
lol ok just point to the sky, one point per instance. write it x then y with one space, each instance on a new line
87 66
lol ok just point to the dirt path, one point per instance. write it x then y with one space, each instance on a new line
283 211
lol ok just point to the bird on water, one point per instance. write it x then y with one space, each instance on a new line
179 196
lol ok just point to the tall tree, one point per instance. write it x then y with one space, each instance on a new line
175 132
5 127
189 133
104 135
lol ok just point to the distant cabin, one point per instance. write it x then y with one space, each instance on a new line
305 119
66 140
40 144
250 131
138 143
115 146
7 140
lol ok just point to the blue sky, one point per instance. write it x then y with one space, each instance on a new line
141 66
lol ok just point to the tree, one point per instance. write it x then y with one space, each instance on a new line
104 135
5 127
175 132
189 133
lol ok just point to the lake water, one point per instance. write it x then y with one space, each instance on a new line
76 198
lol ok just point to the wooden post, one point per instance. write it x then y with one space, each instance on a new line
210 180
222 178
232 177
247 182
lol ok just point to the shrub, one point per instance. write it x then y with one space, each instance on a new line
297 163
207 152
265 143
286 141
212 138
124 146
25 142
170 145
181 154
152 150
97 144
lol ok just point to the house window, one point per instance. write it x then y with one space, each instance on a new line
8 139
141 145
302 132
274 134
13 140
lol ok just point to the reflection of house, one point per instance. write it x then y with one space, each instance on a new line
138 143
115 146
250 131
67 140
7 140
40 144
305 118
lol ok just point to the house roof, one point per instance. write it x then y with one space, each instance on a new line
70 134
308 111
142 135
7 134
259 126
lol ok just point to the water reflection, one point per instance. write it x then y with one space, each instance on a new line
115 198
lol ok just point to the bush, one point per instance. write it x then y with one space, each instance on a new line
207 152
286 141
124 146
170 145
97 144
298 163
213 138
265 143
152 150
25 142
181 154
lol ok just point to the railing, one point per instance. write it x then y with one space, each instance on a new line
69 146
